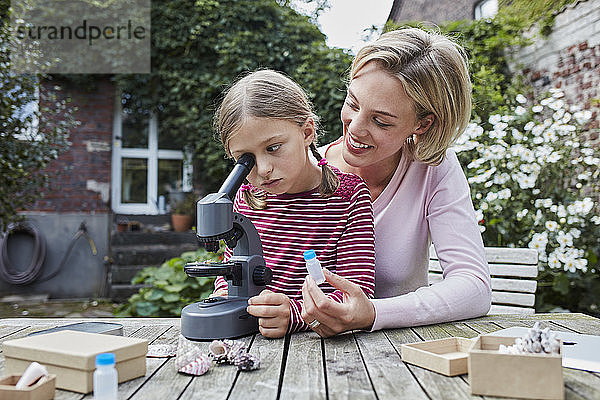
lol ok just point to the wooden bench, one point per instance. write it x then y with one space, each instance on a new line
513 273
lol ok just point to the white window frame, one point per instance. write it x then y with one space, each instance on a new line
152 154
478 9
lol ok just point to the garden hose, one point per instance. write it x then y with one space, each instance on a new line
30 274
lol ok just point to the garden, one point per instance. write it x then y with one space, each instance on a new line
530 159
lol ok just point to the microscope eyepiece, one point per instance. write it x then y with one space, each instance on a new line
247 160
240 171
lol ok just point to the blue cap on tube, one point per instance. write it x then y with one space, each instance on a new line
310 254
105 359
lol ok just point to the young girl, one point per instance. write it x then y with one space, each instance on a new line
296 203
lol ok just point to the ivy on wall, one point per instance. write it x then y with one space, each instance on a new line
34 125
530 12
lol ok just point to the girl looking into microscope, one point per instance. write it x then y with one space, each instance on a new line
297 202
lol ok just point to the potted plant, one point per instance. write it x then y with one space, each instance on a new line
183 212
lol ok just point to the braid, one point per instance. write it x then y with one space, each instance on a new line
329 179
253 201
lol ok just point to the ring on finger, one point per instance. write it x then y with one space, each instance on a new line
314 324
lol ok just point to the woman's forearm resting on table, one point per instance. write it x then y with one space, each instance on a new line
457 297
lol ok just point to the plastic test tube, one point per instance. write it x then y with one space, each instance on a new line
314 266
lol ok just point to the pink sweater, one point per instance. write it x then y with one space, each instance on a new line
423 204
339 228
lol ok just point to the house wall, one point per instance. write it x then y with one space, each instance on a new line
569 58
84 173
80 192
83 275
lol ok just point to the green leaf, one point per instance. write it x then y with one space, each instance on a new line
146 309
154 295
561 283
170 297
175 288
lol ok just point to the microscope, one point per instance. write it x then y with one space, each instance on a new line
246 272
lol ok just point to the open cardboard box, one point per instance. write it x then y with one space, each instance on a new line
43 389
529 376
446 356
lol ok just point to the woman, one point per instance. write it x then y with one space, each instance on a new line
408 99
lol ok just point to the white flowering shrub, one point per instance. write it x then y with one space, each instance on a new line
534 183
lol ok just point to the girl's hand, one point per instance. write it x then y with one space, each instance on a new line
355 312
273 312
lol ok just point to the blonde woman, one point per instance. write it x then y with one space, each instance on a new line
408 99
297 203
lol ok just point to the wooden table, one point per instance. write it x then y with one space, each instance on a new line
357 365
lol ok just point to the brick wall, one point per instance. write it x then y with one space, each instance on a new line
569 59
84 171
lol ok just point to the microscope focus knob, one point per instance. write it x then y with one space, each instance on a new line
261 276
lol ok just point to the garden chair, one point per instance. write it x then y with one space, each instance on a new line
514 272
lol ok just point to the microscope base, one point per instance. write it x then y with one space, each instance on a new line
217 318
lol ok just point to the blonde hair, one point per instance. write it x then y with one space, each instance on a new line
433 71
268 94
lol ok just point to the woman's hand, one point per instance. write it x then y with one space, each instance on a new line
355 312
273 313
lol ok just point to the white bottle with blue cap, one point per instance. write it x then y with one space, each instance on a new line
314 266
106 378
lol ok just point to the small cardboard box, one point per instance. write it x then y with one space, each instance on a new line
43 389
446 356
71 356
528 376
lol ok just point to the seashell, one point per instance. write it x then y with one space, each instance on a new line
161 350
218 351
536 340
187 352
33 372
247 362
223 351
236 348
197 367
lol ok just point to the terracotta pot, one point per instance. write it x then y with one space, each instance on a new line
181 223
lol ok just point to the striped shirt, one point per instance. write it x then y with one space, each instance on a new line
339 228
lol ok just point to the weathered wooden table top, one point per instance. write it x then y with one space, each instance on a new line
359 365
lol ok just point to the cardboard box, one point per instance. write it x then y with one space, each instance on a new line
71 356
43 389
446 356
529 376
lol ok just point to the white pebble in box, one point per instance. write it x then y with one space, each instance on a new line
524 375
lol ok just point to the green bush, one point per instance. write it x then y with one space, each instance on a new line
534 183
169 287
532 178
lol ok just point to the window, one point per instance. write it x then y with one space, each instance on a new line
145 163
486 9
